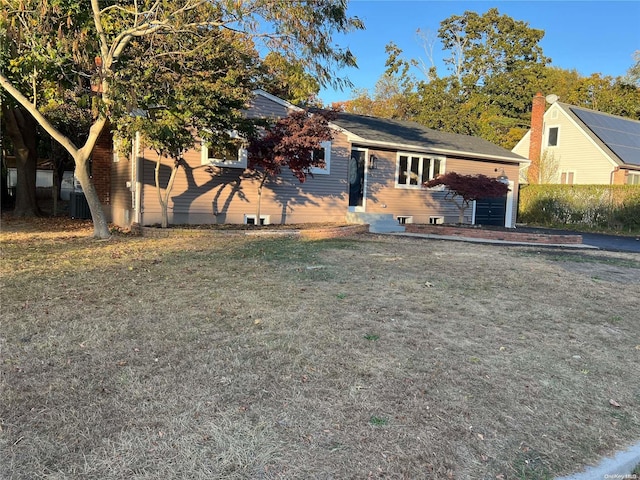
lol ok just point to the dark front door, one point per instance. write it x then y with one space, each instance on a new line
491 211
356 178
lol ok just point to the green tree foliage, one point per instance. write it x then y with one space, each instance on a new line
464 189
73 44
289 81
633 74
496 65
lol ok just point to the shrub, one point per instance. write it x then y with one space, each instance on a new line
593 207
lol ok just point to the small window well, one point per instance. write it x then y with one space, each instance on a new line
251 219
403 220
436 220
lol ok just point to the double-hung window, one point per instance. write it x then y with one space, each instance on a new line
412 170
566 178
323 153
232 154
552 136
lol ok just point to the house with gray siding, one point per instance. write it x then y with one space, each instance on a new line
374 171
577 145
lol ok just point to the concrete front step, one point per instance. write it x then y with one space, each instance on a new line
378 222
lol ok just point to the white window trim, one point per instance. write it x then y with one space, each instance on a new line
327 160
546 137
404 219
265 218
422 156
240 162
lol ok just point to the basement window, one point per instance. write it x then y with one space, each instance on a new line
251 219
436 220
404 219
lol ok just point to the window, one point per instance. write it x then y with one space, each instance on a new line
251 219
231 155
552 137
566 178
633 179
323 153
414 169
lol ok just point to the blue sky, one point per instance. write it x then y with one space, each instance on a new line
589 36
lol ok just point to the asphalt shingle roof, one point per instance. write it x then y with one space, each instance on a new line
402 132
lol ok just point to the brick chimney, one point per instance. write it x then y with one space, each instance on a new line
535 138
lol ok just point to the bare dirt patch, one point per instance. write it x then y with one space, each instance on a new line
368 357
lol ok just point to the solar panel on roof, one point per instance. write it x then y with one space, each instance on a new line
621 135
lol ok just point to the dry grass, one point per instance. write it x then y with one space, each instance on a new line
214 356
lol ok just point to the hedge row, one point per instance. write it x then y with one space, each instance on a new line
585 206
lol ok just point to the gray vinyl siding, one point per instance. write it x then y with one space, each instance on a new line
226 195
262 107
384 197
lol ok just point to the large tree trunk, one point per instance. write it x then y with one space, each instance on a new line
22 129
80 156
100 225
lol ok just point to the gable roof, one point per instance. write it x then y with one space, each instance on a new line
618 137
413 136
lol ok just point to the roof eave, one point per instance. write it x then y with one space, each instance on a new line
353 138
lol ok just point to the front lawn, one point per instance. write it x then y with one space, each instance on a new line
216 356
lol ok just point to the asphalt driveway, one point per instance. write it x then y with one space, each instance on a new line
615 243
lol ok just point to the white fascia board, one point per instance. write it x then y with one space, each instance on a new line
581 129
441 151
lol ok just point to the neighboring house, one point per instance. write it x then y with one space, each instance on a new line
581 146
374 170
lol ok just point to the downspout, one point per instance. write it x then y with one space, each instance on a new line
612 175
137 181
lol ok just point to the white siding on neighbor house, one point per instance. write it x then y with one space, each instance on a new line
575 152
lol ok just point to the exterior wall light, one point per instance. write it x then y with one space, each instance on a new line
502 178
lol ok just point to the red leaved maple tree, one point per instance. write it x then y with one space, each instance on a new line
464 189
292 142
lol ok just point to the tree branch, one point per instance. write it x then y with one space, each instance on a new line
41 119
